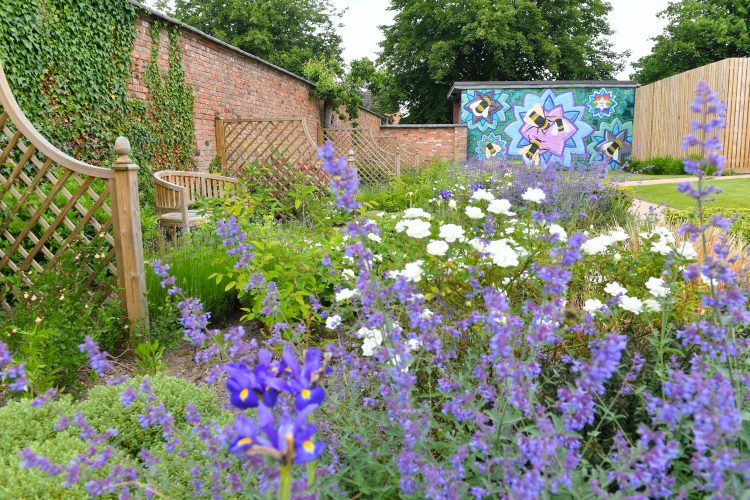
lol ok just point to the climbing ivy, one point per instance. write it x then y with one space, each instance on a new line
170 105
68 63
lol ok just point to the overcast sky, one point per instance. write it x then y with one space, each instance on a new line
634 22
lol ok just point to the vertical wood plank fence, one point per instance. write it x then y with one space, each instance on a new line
663 115
51 203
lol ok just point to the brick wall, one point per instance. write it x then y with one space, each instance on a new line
230 83
427 142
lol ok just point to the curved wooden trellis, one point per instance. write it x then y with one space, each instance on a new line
375 165
282 147
50 202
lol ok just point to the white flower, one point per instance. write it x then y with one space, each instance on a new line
371 340
345 294
631 304
652 305
401 226
412 271
374 237
414 344
709 281
437 248
686 250
415 213
502 254
592 305
348 274
451 232
500 207
657 288
482 194
417 228
615 289
452 204
426 314
534 195
597 245
558 231
474 212
618 235
661 247
333 322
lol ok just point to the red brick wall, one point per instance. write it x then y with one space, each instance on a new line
224 82
427 142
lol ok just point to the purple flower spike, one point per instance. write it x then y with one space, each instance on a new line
97 357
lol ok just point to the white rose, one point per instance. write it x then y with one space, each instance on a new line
615 289
482 194
631 304
333 322
652 305
592 305
417 228
374 237
500 207
558 231
534 195
474 212
437 248
597 245
415 213
345 294
657 288
502 254
451 232
618 235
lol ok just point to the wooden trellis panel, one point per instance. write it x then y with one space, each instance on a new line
51 202
281 146
407 159
375 165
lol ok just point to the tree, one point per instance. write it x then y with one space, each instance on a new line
698 32
433 43
287 33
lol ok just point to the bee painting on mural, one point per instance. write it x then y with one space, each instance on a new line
530 153
483 107
537 118
615 147
491 149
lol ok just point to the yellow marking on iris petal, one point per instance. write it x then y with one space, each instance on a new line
288 369
244 393
305 394
245 441
308 446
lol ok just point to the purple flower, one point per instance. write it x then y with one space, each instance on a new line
97 358
344 183
303 380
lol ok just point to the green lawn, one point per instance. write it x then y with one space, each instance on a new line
734 194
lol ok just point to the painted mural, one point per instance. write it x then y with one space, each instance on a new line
553 126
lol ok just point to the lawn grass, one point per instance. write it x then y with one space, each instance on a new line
734 194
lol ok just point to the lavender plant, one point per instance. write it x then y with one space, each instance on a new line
481 348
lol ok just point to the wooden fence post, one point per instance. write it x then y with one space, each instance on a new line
126 224
220 141
351 158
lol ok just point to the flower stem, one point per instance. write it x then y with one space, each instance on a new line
310 474
285 483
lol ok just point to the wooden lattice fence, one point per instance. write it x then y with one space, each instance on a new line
51 203
281 147
375 165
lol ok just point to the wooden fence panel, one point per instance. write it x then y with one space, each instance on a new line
663 115
375 165
51 202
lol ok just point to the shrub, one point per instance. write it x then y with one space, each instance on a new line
661 165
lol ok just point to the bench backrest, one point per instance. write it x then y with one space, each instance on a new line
170 187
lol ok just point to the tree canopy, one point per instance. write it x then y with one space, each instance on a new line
433 43
287 33
698 32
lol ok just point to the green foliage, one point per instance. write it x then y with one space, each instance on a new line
50 317
741 217
68 62
661 165
287 34
429 48
149 357
170 106
698 32
22 425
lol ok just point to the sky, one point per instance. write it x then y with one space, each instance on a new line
634 23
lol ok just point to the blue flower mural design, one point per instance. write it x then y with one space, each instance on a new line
483 110
602 103
553 145
490 145
612 143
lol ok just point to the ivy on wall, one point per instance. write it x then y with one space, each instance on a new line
68 63
169 106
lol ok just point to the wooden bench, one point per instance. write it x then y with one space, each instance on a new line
176 191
